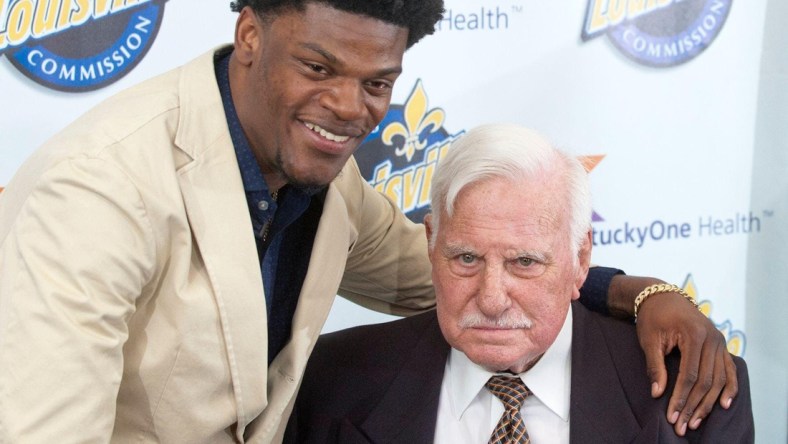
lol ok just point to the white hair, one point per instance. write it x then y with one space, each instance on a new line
510 152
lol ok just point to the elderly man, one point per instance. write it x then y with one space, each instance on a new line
507 355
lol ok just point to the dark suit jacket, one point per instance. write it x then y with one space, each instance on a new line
381 384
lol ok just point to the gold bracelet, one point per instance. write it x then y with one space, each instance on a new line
660 288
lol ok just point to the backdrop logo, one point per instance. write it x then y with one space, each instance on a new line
657 33
399 157
77 45
736 340
589 163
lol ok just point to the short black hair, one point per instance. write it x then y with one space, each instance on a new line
418 16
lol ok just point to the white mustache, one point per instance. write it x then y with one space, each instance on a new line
478 320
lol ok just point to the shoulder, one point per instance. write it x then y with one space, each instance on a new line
365 343
365 356
619 336
131 132
735 424
362 200
597 335
149 110
350 371
352 187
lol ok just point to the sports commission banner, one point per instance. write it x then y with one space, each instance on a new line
660 99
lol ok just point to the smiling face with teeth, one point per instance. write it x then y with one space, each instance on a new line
310 85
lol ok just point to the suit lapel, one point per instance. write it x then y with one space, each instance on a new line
408 410
216 207
599 408
326 267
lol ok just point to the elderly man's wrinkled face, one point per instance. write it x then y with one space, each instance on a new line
503 271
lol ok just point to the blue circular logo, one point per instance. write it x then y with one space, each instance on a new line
78 46
657 33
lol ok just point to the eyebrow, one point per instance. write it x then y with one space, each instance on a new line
320 50
452 250
314 47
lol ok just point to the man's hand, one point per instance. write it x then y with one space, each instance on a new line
665 321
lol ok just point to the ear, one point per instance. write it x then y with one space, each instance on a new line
583 262
428 232
248 34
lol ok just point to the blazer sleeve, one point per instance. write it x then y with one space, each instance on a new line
387 268
593 294
76 257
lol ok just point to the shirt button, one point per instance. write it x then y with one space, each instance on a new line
262 205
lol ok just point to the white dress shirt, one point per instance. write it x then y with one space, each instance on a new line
468 412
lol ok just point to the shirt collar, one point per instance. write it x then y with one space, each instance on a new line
549 379
251 175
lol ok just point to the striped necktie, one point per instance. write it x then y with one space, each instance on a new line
512 392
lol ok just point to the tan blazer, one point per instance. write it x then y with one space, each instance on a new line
131 299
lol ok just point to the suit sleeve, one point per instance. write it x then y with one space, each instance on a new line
72 265
387 268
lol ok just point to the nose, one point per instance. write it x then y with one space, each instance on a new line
493 298
345 98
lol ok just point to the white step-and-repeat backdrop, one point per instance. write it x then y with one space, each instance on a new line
677 107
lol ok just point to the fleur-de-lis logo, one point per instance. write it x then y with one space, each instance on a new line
735 340
419 123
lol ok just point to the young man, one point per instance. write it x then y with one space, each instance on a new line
168 260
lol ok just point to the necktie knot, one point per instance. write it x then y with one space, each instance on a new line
512 392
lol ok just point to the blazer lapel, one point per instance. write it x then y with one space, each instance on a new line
407 413
326 267
599 408
216 206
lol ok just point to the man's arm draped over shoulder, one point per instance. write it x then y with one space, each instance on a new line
707 372
387 268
